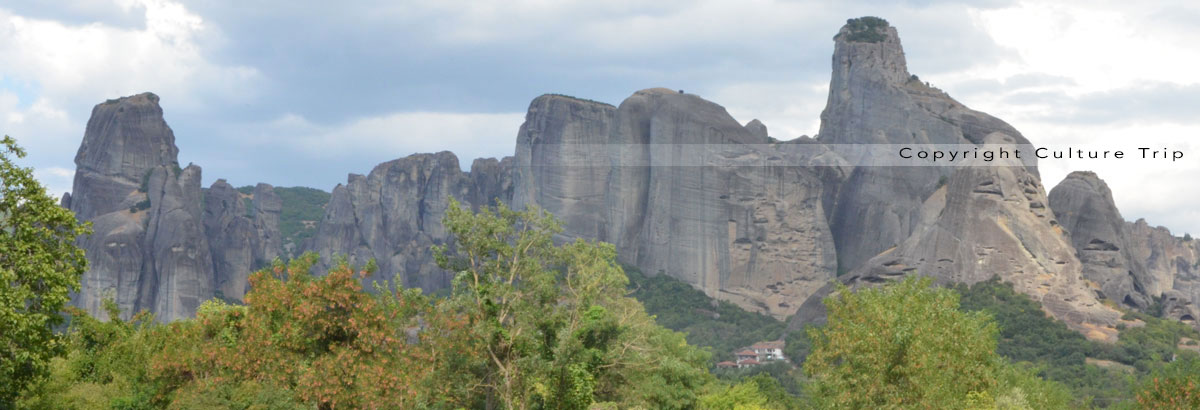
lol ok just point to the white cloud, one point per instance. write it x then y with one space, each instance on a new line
1095 49
57 180
65 68
789 110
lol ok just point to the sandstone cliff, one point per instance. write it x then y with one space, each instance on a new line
1132 262
1172 269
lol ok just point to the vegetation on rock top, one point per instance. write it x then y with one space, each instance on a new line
865 30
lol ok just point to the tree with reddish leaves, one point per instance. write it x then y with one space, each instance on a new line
1175 386
323 339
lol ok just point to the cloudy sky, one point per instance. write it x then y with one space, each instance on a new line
304 92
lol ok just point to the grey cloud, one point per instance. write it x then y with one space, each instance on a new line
1154 102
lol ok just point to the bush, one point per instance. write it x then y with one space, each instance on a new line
1176 386
140 206
865 30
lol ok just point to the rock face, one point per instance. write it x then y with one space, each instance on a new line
992 221
1131 262
679 186
1085 208
242 240
874 100
1172 269
394 214
148 250
740 222
557 167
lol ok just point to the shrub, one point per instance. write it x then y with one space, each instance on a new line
865 30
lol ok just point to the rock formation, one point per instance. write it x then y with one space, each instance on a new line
1131 262
1172 269
394 214
148 249
679 186
874 100
1085 208
740 222
556 166
242 240
992 221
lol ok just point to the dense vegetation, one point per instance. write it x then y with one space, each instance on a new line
300 204
721 326
1028 335
39 267
865 30
908 345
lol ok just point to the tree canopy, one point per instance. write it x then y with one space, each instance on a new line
39 267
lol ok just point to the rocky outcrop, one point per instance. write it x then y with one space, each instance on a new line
1172 269
242 240
682 189
1085 208
394 214
231 234
874 100
1131 262
148 249
557 164
992 221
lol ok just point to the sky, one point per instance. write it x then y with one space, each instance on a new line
304 92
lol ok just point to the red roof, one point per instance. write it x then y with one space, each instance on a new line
748 361
746 352
726 364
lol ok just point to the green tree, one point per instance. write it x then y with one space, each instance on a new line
551 325
105 365
39 267
899 346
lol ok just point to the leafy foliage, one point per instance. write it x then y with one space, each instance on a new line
1175 386
1059 354
899 346
719 325
105 366
140 206
39 267
323 340
865 30
552 324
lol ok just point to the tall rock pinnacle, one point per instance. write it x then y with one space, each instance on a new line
874 100
148 249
